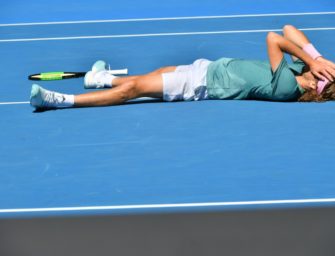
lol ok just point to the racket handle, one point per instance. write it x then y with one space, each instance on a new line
118 71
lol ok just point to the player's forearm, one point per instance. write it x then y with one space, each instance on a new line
289 47
295 36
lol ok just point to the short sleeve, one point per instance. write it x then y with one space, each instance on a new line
278 72
284 83
297 66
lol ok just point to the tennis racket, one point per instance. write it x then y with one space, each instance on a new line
48 76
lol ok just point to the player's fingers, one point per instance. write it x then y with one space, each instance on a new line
332 73
312 86
319 76
326 74
331 64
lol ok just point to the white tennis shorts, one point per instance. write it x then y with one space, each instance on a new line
187 82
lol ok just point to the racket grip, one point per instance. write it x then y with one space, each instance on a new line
118 71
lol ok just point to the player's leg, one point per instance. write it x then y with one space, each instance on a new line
142 86
125 89
120 80
103 79
163 70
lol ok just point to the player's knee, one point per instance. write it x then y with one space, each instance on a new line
160 70
168 69
164 70
129 90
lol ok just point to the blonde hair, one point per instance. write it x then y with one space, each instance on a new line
312 96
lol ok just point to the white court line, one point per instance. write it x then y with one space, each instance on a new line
14 102
155 35
167 18
166 206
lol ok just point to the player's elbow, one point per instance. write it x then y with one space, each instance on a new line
272 37
288 28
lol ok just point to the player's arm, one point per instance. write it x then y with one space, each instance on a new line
295 36
277 45
300 39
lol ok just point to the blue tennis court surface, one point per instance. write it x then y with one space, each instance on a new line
151 156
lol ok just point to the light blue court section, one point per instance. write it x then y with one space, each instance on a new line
161 153
19 11
157 153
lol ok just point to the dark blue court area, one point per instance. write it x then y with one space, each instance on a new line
150 157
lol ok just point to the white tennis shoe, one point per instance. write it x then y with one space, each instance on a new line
98 77
41 98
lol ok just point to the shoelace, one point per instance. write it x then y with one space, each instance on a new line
51 99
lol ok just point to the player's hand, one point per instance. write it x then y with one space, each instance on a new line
327 62
322 71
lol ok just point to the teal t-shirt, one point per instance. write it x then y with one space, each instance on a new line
246 79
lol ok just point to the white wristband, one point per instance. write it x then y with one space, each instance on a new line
311 51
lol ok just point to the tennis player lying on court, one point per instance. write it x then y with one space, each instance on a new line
309 78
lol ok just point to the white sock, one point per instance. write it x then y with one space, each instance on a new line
69 100
63 100
107 79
